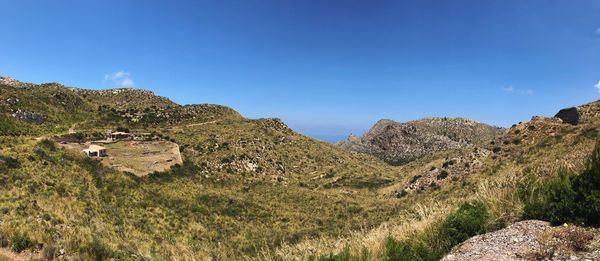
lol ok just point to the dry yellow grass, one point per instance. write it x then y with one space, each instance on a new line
250 189
499 191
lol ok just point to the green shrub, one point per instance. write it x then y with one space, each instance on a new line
97 250
566 199
442 175
554 203
8 127
516 141
21 242
587 189
448 163
122 129
9 162
79 136
415 178
590 133
408 250
401 194
434 185
469 220
47 144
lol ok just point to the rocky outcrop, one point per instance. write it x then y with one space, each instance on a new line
569 115
452 169
125 98
30 117
399 143
530 240
12 82
274 123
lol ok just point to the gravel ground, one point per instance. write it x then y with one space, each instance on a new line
530 240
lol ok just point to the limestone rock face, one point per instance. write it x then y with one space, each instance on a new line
569 115
399 143
31 117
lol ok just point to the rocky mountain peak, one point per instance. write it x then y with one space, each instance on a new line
399 143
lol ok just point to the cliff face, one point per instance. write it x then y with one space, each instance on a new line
399 143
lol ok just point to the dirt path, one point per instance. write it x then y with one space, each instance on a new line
202 123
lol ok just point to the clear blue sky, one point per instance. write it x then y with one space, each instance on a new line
327 68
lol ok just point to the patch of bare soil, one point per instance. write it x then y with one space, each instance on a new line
9 255
138 157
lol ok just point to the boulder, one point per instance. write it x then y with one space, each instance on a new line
529 240
569 115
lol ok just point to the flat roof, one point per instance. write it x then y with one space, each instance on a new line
96 147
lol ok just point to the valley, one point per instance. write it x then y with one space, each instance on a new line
214 185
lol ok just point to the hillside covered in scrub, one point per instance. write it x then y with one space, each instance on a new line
252 189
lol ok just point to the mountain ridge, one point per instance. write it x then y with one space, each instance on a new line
400 143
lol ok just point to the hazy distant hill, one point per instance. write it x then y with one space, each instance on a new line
399 143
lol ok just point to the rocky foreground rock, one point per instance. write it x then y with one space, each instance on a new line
531 240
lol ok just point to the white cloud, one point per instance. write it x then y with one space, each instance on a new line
597 86
120 78
510 89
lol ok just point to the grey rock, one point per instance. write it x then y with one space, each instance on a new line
400 143
569 115
31 117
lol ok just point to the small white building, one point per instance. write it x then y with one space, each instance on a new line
95 151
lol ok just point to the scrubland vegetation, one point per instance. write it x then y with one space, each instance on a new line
573 199
254 189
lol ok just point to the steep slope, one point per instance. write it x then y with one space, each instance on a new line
399 143
39 108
